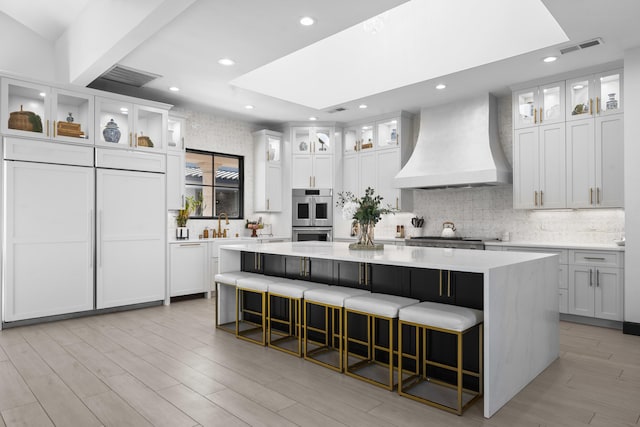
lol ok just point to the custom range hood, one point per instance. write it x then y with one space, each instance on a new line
457 146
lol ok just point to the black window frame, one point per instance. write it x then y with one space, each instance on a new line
213 155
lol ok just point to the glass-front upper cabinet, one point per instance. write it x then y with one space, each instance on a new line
125 125
351 140
44 112
176 127
387 133
596 94
359 138
539 105
307 140
366 137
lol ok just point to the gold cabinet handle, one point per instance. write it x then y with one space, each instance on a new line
598 104
267 204
440 292
135 139
597 278
366 274
301 266
397 139
591 106
541 202
590 195
590 277
54 128
597 195
540 114
397 203
47 127
130 139
448 283
309 180
535 115
535 198
360 274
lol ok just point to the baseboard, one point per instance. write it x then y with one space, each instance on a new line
603 323
631 328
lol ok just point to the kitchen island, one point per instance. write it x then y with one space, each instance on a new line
518 295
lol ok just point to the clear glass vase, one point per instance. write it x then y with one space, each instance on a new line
365 234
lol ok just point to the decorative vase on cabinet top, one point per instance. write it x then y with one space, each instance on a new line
111 132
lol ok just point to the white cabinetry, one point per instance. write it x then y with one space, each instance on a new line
312 160
131 230
49 259
372 157
189 271
539 167
596 284
175 163
539 105
595 95
595 154
142 127
267 171
62 115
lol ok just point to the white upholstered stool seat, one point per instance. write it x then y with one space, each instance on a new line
250 288
370 354
284 314
227 279
231 277
431 320
443 316
323 323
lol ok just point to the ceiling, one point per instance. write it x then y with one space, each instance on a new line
183 47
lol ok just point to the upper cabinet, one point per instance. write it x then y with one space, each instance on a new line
267 171
35 110
594 95
121 124
539 105
176 127
313 140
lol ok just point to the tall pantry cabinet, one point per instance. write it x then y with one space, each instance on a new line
84 223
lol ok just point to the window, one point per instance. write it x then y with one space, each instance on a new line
216 179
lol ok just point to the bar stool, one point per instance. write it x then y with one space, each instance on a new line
331 299
251 319
374 360
286 322
428 317
228 279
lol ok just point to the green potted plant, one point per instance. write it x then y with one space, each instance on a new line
191 204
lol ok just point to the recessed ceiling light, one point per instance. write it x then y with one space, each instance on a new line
226 61
249 107
174 89
124 109
306 21
578 87
42 94
441 86
550 58
313 118
363 106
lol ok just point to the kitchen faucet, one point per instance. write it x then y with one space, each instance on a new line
226 222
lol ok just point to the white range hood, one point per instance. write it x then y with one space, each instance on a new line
457 146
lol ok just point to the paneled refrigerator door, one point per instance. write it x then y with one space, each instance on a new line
49 240
131 237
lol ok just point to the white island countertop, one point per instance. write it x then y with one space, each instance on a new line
467 260
520 301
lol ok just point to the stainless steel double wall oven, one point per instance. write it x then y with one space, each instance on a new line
312 214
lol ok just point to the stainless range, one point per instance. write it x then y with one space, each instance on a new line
448 242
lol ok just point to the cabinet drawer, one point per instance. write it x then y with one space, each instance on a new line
608 258
46 152
130 160
562 252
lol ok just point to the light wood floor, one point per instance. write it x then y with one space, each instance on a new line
167 366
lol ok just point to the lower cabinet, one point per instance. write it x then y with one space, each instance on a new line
596 292
188 269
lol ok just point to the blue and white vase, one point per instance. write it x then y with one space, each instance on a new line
111 132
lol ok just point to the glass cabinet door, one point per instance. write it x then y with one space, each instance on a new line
366 137
25 108
149 128
175 133
273 149
388 134
72 115
322 141
351 141
114 123
525 101
579 98
609 98
301 141
551 103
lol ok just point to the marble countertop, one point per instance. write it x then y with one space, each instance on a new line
407 256
560 245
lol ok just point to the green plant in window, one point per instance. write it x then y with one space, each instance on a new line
191 204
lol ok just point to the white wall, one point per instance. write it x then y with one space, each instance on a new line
23 52
631 180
